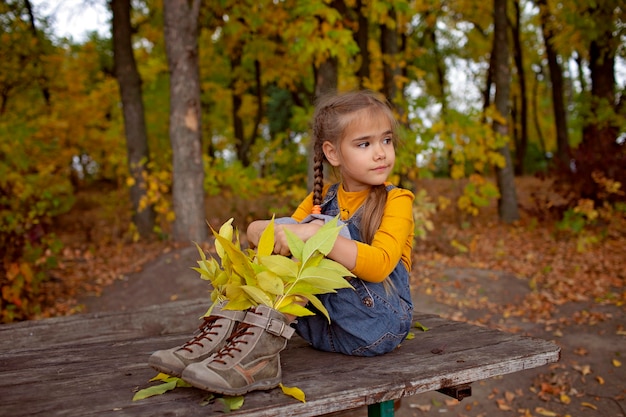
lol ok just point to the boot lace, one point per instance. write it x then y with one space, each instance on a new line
233 341
206 331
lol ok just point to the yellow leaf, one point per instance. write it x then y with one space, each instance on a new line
600 380
226 232
589 405
258 295
459 246
543 412
509 396
585 369
266 242
160 377
616 363
420 326
280 265
295 310
294 392
270 282
422 407
565 399
410 336
502 405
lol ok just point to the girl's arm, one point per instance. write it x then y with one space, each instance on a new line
369 262
393 239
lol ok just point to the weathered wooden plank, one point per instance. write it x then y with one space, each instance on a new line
175 317
97 375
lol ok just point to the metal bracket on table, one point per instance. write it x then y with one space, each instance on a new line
459 392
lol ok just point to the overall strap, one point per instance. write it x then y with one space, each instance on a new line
331 193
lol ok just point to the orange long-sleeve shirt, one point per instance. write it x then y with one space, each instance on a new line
392 242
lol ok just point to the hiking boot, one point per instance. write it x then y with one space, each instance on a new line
250 359
211 337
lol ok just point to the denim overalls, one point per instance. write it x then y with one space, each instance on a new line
366 321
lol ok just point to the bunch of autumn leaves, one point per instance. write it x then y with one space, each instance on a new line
246 278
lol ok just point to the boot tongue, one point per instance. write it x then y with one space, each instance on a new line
206 329
231 344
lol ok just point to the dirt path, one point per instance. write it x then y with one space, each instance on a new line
586 382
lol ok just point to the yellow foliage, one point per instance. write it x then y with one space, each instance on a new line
587 208
457 172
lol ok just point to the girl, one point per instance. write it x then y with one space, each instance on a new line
356 134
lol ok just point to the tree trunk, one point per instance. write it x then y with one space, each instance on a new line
563 151
129 83
362 37
391 70
42 78
522 143
535 95
599 151
181 43
507 205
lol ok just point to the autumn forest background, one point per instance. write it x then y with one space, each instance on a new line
116 148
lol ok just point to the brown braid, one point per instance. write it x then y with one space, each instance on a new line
318 173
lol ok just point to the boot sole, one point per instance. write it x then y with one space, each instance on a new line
160 367
255 386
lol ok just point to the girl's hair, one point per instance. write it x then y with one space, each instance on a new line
332 115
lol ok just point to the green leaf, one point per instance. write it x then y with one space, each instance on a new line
335 266
154 390
296 245
322 241
169 384
207 400
302 287
325 278
294 392
314 260
231 403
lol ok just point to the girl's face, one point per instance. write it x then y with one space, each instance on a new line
366 154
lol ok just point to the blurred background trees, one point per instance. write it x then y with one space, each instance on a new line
540 91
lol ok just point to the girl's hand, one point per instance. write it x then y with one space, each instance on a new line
302 231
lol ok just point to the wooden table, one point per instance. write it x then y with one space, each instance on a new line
92 364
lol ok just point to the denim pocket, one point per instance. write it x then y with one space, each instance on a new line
385 344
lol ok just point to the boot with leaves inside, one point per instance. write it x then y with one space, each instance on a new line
249 361
210 338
